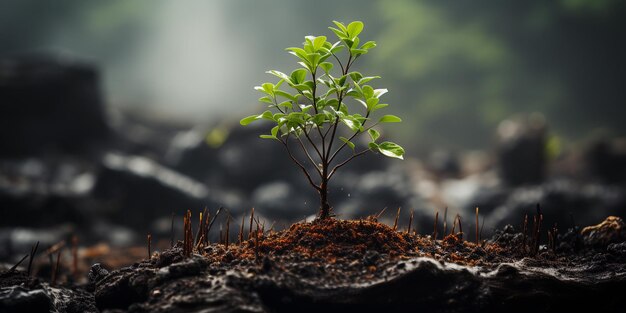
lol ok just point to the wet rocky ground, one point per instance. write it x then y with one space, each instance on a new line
94 186
358 265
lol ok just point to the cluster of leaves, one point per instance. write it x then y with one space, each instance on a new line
304 110
322 95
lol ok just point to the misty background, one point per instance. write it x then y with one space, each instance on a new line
454 70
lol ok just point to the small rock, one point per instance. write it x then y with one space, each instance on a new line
189 267
97 272
611 230
508 229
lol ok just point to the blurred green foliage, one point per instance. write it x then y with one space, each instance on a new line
464 66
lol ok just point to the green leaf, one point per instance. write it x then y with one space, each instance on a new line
247 120
379 106
299 52
319 118
306 65
261 89
343 108
380 92
286 95
371 102
268 137
366 79
305 108
391 150
354 125
337 47
354 29
373 146
302 87
275 130
339 33
268 87
368 91
319 42
358 51
332 102
314 59
298 76
368 45
277 117
389 119
348 142
266 99
374 134
280 75
359 91
308 44
267 115
286 104
326 83
355 43
342 80
356 76
326 66
353 93
341 26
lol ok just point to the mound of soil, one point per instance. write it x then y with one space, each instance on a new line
362 265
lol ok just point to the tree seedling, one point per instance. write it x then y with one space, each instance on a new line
324 93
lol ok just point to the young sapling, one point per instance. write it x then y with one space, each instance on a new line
323 93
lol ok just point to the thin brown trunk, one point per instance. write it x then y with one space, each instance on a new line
324 206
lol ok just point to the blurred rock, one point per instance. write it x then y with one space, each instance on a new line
564 202
606 160
20 299
611 230
139 190
444 164
38 193
49 103
236 158
281 201
521 150
190 154
16 241
245 161
570 241
369 193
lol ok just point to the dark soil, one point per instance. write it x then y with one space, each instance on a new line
345 266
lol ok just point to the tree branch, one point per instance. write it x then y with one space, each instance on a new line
309 156
321 155
285 143
338 61
346 162
332 137
349 139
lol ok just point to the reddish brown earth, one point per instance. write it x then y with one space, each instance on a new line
357 265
